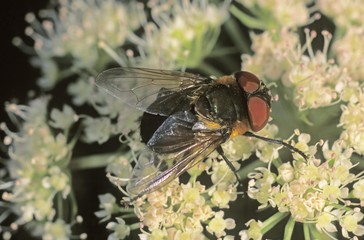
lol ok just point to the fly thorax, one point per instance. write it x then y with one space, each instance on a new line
221 104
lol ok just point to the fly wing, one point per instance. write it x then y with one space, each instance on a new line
176 147
151 90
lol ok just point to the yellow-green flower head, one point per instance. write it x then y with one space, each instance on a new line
345 14
358 191
351 121
75 28
313 191
272 52
316 80
37 165
107 205
253 232
218 224
119 228
182 34
275 14
349 52
185 210
57 230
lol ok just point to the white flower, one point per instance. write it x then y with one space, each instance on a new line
349 52
108 206
82 91
119 228
97 129
64 119
184 33
36 167
344 13
120 167
268 48
58 230
273 14
75 29
218 224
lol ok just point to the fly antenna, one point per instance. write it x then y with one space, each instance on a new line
276 141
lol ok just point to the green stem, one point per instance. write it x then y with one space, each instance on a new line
306 231
209 70
67 73
288 230
237 36
90 162
317 234
126 210
75 138
130 215
74 206
223 51
272 221
247 20
134 226
277 163
60 209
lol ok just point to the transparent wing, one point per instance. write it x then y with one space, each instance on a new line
171 153
151 90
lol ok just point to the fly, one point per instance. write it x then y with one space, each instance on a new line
187 117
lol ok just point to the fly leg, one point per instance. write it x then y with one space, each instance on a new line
231 166
279 142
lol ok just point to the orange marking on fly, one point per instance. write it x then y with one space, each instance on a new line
210 124
238 129
226 80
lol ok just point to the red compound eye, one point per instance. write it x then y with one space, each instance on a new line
248 81
258 112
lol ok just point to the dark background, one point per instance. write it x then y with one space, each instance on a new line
17 75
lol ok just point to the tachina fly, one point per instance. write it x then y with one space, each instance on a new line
186 117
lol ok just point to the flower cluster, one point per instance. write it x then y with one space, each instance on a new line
181 33
348 51
112 119
344 14
37 173
275 14
182 210
313 78
314 191
75 30
351 119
